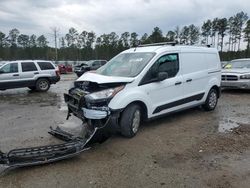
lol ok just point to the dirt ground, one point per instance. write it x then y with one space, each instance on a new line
188 149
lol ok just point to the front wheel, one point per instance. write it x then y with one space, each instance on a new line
212 100
130 120
42 84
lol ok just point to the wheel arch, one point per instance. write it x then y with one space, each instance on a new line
142 106
217 88
214 83
43 77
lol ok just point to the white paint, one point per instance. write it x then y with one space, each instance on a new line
101 79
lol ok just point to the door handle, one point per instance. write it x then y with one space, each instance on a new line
189 80
36 72
178 83
15 74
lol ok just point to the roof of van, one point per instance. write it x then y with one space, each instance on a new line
179 48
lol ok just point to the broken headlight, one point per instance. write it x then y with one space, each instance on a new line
104 94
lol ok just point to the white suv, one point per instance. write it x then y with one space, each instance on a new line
34 74
145 82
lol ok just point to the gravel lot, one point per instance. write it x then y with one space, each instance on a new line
188 149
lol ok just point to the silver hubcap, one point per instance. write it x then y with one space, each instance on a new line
212 100
43 85
136 121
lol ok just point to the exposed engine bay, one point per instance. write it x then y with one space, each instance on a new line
89 101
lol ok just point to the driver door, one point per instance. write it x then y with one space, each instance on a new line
9 76
164 95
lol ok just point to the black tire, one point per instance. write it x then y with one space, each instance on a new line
211 101
42 84
33 88
129 122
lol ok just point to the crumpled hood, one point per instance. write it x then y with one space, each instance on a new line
236 71
101 79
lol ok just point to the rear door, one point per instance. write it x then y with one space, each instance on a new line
195 78
9 76
28 73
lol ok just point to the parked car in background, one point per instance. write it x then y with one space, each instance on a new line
64 69
34 74
236 74
78 66
223 63
89 65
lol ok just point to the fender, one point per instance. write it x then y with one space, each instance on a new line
129 95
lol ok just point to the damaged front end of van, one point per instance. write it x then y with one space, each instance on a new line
89 100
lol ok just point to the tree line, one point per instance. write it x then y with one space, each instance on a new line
226 34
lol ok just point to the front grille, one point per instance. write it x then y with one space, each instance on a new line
229 78
75 101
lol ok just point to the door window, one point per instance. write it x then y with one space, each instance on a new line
45 66
96 63
28 66
103 62
9 68
168 63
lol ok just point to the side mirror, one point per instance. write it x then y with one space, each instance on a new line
162 76
1 72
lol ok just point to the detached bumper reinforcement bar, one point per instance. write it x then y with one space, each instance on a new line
63 135
45 154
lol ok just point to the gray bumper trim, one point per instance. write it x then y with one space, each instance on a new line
95 114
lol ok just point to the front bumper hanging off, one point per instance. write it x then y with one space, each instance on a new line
73 145
46 154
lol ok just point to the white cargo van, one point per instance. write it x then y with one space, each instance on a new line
145 82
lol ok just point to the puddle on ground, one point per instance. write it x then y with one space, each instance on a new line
227 124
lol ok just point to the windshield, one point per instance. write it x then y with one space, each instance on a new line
126 64
238 64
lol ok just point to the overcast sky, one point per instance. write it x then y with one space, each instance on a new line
105 16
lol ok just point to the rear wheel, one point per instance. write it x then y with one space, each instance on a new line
42 84
211 101
130 120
